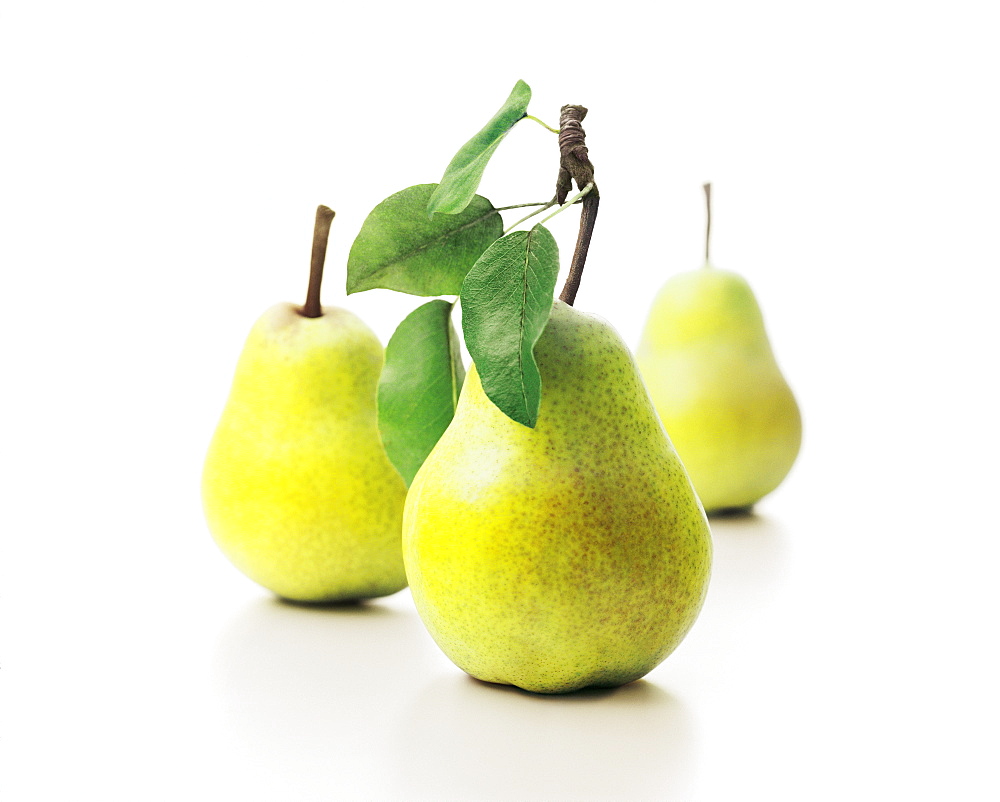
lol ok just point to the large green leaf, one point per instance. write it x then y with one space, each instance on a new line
419 387
461 179
506 301
400 248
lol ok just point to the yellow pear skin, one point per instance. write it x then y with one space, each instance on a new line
570 555
297 488
707 361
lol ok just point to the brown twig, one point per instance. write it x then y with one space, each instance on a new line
321 235
708 217
575 167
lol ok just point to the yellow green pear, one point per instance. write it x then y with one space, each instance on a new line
569 555
707 361
298 491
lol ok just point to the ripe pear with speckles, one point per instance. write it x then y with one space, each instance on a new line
571 555
297 488
710 369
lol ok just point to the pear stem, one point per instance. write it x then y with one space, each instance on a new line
321 235
588 216
575 167
708 218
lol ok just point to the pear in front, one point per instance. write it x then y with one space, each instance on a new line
570 555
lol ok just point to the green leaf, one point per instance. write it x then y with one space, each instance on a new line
461 179
419 388
399 248
506 301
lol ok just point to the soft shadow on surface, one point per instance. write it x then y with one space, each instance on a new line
300 684
344 608
732 513
750 560
466 739
582 694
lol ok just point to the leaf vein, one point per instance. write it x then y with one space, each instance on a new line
403 256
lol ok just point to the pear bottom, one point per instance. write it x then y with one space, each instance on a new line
315 520
307 529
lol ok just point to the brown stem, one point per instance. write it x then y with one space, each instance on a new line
321 235
708 219
588 216
575 167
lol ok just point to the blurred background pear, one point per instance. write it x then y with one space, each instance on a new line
707 361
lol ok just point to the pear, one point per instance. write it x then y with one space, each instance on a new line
708 363
570 555
298 491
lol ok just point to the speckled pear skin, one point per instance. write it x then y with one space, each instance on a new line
707 360
570 555
297 488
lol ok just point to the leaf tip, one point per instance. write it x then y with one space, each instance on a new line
433 202
525 417
353 284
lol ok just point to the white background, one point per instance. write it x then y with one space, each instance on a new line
159 169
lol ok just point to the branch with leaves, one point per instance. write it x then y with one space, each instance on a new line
446 240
